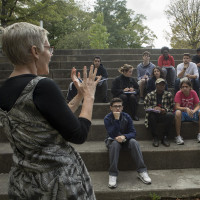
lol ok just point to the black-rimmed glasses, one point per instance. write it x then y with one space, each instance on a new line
117 106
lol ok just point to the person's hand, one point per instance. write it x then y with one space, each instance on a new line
190 112
120 138
76 80
88 86
126 89
188 75
131 89
163 111
157 108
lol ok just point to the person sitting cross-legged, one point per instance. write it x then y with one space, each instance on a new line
187 108
187 70
121 135
158 105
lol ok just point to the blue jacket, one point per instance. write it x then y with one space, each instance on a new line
123 126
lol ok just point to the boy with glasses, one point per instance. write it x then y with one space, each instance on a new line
187 108
121 135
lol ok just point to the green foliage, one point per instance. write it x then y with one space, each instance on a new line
155 196
185 23
98 34
126 29
111 25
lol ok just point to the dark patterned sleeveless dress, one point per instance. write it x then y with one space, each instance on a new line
45 167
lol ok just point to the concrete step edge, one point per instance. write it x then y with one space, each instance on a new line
175 183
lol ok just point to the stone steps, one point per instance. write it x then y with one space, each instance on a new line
176 183
96 158
174 170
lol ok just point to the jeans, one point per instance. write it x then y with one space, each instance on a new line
114 148
170 74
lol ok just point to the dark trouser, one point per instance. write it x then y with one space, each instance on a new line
155 118
170 74
195 84
114 148
130 103
101 92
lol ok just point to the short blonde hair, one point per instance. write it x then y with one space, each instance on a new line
125 68
17 40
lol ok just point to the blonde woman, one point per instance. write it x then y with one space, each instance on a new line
126 88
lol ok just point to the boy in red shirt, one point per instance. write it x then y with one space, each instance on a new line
187 108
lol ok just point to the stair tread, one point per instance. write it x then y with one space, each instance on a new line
165 183
146 146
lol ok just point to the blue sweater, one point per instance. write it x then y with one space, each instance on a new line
123 126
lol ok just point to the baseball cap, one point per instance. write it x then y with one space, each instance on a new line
159 80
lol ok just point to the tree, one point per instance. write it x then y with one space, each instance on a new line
123 26
98 34
184 18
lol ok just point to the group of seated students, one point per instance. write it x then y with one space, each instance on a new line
160 106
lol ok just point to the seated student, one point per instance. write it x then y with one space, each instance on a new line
144 71
101 94
159 107
166 62
126 88
196 60
156 73
121 135
189 70
102 87
187 108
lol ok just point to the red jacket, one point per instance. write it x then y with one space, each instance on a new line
166 63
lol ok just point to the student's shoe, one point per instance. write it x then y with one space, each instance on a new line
198 137
155 142
179 140
141 100
135 118
144 177
112 182
165 141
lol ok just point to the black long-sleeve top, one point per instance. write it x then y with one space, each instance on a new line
51 103
122 82
102 71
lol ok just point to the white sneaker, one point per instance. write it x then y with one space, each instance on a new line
112 182
144 177
198 137
179 140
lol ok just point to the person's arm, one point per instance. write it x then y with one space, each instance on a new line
147 102
113 129
178 107
172 61
160 60
139 77
131 132
52 105
181 71
104 73
115 89
170 105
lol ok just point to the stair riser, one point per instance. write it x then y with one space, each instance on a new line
98 132
154 160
